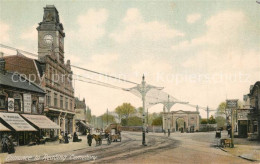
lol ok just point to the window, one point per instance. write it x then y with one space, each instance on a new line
55 100
66 103
2 101
61 101
34 107
255 126
17 105
48 98
70 104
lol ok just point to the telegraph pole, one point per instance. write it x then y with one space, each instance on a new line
232 105
232 128
207 113
107 116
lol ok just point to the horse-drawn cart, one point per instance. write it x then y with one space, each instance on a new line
114 131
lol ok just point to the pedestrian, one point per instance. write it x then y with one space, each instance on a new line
75 137
164 131
229 130
66 138
4 144
169 132
90 137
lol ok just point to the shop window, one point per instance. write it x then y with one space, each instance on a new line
2 102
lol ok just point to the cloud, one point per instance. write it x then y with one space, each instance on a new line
103 62
153 69
30 34
4 32
224 29
192 18
91 26
223 48
133 27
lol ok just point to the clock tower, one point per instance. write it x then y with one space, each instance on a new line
51 35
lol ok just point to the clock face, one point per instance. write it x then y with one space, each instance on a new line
48 39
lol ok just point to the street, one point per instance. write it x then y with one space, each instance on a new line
178 148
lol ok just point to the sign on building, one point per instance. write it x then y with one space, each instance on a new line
242 114
16 122
10 104
27 103
232 103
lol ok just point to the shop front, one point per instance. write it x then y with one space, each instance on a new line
44 125
20 130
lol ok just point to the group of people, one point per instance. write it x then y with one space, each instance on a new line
65 138
7 144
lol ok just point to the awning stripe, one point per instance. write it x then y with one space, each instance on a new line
3 128
16 122
41 121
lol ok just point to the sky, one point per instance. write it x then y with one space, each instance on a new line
200 51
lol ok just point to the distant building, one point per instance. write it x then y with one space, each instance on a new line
181 120
254 115
81 116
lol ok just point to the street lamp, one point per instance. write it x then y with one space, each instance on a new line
232 105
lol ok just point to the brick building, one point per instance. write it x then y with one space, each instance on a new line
50 71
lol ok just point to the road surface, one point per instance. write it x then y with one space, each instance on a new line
178 148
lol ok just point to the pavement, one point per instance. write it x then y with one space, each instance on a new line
244 148
47 149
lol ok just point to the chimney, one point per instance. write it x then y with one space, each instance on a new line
2 63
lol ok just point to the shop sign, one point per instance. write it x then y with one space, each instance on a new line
16 121
232 103
27 103
10 104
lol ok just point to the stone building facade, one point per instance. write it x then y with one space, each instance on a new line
190 118
50 71
254 115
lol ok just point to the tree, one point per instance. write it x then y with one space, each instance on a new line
94 120
203 121
125 110
157 121
211 120
108 118
132 121
220 121
88 115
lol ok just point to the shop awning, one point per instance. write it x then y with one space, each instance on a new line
41 121
83 124
16 122
3 128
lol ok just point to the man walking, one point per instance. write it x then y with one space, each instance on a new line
89 139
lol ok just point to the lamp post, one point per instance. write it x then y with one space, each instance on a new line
143 89
232 105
